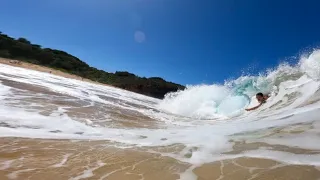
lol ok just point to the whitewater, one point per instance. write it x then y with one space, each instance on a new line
200 125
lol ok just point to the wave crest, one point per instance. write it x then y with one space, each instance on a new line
288 85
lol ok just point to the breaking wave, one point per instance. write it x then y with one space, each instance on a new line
288 85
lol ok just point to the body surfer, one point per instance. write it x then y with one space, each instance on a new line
261 99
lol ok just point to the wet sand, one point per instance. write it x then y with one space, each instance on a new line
73 160
37 159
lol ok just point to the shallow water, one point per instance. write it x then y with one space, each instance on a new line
57 128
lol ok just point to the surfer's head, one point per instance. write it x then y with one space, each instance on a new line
260 97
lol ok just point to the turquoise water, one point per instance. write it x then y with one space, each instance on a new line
231 98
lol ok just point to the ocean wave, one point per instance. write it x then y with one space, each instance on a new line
288 85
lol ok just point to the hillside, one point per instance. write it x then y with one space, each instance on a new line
24 50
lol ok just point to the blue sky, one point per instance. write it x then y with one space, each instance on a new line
184 41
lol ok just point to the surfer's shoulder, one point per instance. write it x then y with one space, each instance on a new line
262 101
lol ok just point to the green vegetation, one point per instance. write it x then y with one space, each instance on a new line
24 50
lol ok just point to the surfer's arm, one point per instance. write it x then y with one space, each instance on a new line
253 108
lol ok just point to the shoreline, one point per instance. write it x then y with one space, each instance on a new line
44 69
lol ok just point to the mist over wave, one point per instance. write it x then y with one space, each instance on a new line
288 85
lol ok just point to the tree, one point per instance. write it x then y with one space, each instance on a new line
4 54
23 40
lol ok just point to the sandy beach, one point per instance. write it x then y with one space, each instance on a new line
17 63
